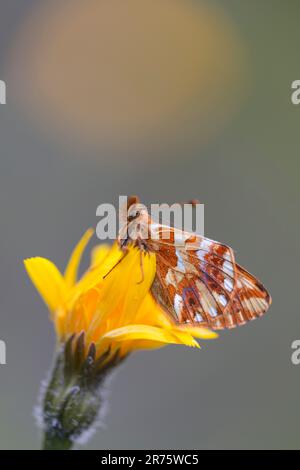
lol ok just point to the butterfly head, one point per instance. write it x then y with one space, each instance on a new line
135 224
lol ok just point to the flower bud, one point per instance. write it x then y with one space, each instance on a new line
74 395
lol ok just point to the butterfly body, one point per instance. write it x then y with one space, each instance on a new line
197 280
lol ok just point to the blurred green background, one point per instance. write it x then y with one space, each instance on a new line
170 100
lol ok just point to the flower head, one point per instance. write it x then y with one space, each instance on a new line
99 320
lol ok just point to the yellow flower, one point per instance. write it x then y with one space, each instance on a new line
117 314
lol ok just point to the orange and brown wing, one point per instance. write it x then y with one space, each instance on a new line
199 282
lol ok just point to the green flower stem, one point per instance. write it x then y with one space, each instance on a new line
73 398
56 443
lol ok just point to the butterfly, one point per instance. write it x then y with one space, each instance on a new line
197 280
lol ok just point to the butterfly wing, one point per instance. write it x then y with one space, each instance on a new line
198 281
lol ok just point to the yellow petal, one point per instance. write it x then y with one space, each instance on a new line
185 338
85 307
141 332
133 337
99 253
150 313
72 267
94 275
123 290
198 332
139 344
48 281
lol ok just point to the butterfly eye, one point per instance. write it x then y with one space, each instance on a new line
133 216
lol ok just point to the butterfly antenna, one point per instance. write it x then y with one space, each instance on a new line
192 202
115 265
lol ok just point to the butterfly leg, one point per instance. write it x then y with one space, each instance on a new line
141 266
